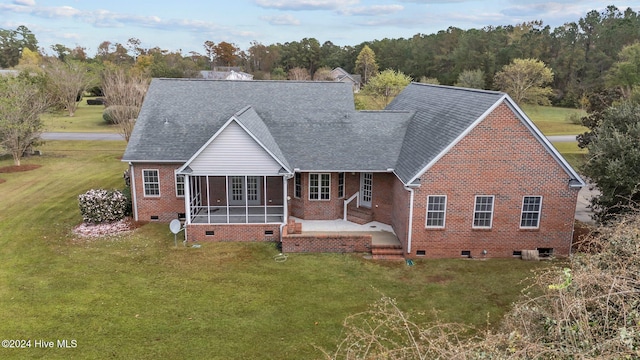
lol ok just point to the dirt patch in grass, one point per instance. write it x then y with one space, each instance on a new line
2 180
15 168
439 279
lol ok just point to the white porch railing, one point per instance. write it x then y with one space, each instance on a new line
346 202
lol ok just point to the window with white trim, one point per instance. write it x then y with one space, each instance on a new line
151 182
179 185
340 185
483 212
297 185
531 208
436 211
319 186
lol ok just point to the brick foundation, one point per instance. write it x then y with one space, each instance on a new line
336 243
236 232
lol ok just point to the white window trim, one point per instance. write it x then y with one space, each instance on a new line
539 212
320 187
344 185
493 207
444 218
183 185
297 184
144 183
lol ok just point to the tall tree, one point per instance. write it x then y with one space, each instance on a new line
22 101
298 73
366 64
12 42
124 92
625 74
597 105
323 74
30 61
226 54
61 51
471 79
67 81
614 161
525 81
385 86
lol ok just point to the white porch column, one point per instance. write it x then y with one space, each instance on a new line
187 199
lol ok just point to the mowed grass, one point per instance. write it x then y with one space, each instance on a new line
136 296
554 120
572 153
87 118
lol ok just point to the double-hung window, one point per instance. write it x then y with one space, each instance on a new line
531 208
319 186
151 182
297 185
483 212
179 185
436 211
340 185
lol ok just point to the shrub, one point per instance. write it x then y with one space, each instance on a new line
574 119
102 206
586 308
111 114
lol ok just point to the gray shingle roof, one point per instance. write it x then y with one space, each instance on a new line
441 115
313 124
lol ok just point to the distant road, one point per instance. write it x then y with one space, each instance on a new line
80 136
107 136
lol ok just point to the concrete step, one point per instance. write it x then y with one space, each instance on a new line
378 251
359 215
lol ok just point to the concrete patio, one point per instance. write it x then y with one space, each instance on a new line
382 234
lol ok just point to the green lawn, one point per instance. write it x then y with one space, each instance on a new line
135 296
554 120
572 153
88 118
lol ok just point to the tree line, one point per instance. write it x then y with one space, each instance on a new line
593 64
579 53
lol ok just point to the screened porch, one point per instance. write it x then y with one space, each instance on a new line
236 199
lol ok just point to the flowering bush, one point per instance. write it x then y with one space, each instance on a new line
102 206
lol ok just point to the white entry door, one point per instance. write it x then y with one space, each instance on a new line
244 188
366 189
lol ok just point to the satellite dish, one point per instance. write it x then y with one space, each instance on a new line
175 226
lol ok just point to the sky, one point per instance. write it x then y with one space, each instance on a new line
185 25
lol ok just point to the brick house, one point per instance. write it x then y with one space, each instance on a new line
454 171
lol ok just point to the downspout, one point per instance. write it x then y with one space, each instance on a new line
285 208
410 230
134 199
